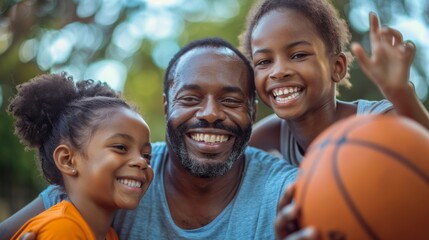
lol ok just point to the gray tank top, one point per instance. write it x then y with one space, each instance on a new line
289 147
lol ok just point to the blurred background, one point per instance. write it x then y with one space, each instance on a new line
128 44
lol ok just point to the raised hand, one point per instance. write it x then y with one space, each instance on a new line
390 61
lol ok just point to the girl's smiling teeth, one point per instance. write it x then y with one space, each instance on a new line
285 94
130 182
209 138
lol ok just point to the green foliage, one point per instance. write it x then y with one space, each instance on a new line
20 178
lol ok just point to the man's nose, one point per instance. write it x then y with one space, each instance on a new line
211 111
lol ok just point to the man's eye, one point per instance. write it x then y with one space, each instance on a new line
231 102
188 100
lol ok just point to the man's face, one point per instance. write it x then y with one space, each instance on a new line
208 113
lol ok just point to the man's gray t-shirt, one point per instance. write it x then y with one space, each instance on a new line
250 215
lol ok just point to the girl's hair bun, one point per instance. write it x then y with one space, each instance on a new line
38 104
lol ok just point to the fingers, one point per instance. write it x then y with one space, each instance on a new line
361 56
308 233
382 40
28 236
287 197
374 26
409 49
391 36
377 34
286 221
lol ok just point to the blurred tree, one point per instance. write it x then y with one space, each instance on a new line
128 44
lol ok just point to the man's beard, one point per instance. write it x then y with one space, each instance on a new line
176 138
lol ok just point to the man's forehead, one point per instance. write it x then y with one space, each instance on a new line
205 51
220 67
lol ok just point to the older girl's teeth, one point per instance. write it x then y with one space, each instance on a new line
209 138
130 182
285 99
284 91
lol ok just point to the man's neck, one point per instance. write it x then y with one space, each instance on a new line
194 201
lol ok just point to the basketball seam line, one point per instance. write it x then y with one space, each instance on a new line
347 197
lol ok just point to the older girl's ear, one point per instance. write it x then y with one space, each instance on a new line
340 67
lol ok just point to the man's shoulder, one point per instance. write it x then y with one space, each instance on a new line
257 155
260 159
158 148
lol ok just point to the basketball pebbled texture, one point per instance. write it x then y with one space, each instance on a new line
367 177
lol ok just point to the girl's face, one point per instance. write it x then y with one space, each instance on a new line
293 70
114 171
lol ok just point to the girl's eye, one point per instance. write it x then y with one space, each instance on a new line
147 156
121 148
262 62
299 55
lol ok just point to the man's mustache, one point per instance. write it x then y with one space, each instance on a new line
217 125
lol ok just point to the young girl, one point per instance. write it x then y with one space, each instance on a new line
298 49
89 141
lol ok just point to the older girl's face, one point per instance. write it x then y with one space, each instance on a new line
293 70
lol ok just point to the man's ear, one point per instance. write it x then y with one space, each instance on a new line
64 159
340 67
164 100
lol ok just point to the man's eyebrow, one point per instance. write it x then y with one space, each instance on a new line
232 89
191 87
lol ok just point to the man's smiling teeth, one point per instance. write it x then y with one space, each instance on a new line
130 182
209 138
285 94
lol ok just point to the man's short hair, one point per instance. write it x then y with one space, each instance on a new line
208 43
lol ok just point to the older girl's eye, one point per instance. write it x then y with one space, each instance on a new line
299 56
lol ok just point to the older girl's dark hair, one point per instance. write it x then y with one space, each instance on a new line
52 109
332 29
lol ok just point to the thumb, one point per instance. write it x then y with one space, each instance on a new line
28 236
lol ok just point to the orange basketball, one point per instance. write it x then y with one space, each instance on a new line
367 177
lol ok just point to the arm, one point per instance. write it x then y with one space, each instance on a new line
9 226
389 68
266 134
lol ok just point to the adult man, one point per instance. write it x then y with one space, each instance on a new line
208 184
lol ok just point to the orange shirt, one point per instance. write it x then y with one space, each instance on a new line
61 221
